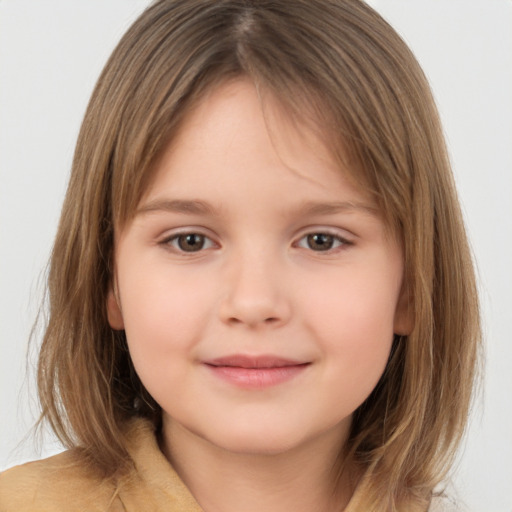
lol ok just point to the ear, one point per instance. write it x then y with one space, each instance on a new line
114 313
404 313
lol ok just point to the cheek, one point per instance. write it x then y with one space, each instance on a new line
164 315
355 305
353 323
163 302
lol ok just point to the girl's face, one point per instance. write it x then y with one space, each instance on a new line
258 288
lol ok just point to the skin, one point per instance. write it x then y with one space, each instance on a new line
242 176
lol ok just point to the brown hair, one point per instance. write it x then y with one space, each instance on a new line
372 99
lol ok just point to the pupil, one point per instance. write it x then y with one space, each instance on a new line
320 241
191 242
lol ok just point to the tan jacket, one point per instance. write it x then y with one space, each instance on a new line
59 484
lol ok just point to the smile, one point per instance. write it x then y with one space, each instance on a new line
255 372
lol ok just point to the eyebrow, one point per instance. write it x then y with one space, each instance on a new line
320 208
194 207
198 207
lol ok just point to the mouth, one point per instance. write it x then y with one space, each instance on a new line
256 372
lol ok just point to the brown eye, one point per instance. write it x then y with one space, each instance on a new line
190 242
320 241
323 242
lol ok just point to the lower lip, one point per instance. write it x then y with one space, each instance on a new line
257 378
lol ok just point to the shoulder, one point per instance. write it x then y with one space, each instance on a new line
59 483
64 483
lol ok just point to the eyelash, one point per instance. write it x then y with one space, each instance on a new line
341 242
174 242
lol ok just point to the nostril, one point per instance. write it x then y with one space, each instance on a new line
253 307
266 321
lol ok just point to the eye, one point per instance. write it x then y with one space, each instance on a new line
189 242
322 242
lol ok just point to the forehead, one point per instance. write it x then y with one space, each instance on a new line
236 130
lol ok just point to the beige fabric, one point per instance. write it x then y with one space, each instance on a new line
60 484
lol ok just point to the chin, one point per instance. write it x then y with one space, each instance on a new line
258 445
257 438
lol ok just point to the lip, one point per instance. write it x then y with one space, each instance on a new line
255 372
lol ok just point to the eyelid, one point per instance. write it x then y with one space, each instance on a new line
335 231
172 235
345 241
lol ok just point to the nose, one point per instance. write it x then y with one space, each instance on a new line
255 293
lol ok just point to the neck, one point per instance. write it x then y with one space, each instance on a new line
312 477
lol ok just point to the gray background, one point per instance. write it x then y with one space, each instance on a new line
50 56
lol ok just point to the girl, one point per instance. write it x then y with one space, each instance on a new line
261 293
